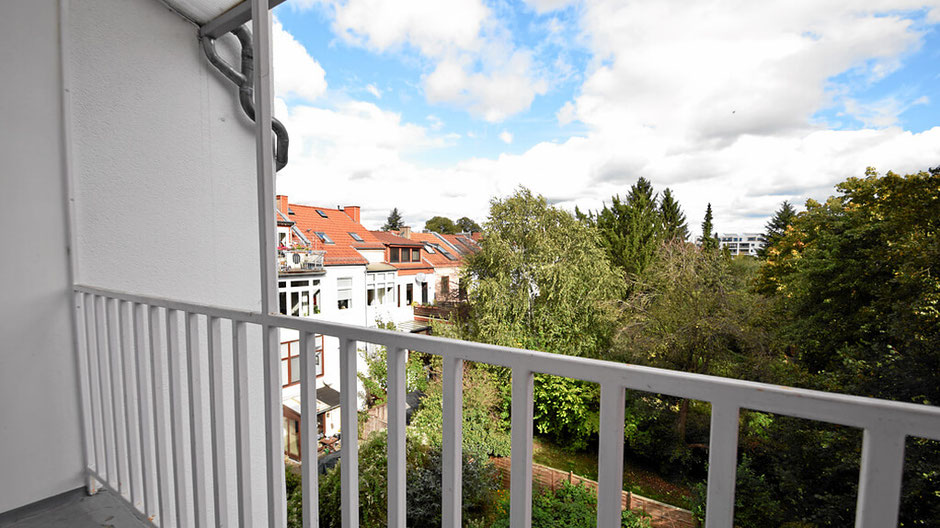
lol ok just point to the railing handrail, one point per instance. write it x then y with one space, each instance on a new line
855 411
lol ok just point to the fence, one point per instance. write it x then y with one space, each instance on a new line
662 515
144 394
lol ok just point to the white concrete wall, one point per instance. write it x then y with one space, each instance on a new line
164 164
40 440
165 201
164 159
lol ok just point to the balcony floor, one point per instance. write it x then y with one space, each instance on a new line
74 509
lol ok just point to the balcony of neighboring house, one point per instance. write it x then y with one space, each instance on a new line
141 372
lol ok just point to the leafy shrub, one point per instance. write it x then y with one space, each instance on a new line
570 506
423 466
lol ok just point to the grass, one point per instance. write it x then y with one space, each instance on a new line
636 478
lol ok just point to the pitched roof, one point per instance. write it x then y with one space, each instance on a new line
336 225
442 255
392 239
462 243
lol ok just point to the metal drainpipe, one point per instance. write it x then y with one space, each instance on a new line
243 79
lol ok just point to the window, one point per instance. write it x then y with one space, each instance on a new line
344 293
424 293
393 255
445 285
416 255
409 294
428 248
356 237
322 236
290 360
399 295
378 285
321 213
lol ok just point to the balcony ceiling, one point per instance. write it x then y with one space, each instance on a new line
202 11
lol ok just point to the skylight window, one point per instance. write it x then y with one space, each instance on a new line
321 213
290 211
356 237
444 252
322 236
428 248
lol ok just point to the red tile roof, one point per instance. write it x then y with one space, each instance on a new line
392 239
405 268
437 259
337 225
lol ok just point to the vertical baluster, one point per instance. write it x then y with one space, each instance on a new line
520 476
217 422
397 358
273 419
82 349
196 421
131 416
175 362
308 429
610 456
349 460
158 383
242 431
452 444
145 409
117 390
879 488
104 377
91 325
722 465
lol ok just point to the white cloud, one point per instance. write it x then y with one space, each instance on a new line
434 122
296 73
474 64
717 101
505 136
544 6
373 89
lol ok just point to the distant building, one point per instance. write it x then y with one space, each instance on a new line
741 243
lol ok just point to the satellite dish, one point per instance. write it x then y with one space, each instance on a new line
420 278
296 258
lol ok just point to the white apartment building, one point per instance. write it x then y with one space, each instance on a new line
741 243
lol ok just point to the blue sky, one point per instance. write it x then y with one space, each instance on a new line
436 107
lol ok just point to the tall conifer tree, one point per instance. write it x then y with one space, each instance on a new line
709 238
776 227
674 223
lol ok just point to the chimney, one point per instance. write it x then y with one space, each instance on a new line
352 211
282 203
406 232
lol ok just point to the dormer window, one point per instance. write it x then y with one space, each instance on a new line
415 255
323 238
393 255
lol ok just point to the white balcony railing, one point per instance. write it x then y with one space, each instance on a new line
130 347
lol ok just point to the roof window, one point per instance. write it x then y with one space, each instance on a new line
356 237
321 213
322 236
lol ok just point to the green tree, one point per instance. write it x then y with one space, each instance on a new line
673 219
631 229
709 238
859 282
394 221
423 468
468 225
441 224
776 227
693 311
541 281
485 432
